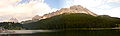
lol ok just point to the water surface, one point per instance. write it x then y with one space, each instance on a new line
72 33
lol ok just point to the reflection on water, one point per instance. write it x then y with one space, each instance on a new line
73 33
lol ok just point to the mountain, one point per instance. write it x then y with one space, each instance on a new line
72 9
74 20
37 17
34 19
73 17
11 20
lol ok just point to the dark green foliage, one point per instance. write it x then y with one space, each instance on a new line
11 25
74 20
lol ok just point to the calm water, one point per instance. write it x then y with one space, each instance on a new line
73 33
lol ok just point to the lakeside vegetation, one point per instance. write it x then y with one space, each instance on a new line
11 26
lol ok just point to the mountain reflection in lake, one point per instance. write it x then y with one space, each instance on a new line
72 33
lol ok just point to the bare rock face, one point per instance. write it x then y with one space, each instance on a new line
37 17
72 9
77 9
34 19
11 20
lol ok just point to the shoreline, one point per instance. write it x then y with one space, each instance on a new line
36 31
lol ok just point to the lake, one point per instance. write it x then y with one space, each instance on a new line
72 33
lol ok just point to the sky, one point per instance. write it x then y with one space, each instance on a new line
26 9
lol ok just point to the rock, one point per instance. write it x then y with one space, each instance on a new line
72 9
37 17
11 20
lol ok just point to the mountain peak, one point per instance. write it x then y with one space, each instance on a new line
72 9
76 9
11 20
36 17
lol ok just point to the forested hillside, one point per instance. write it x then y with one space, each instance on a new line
74 20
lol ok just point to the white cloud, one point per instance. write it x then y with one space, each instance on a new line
97 6
85 3
115 12
100 11
104 7
28 10
25 10
117 1
111 12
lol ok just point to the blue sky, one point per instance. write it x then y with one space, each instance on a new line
17 8
52 3
55 3
114 4
23 1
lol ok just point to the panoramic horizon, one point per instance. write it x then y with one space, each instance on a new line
26 9
59 17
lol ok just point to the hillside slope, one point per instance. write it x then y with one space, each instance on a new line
74 20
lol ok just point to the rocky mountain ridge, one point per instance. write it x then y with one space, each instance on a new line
72 9
12 19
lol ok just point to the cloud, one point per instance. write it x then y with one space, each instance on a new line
26 10
23 11
117 1
85 3
114 12
104 7
100 7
